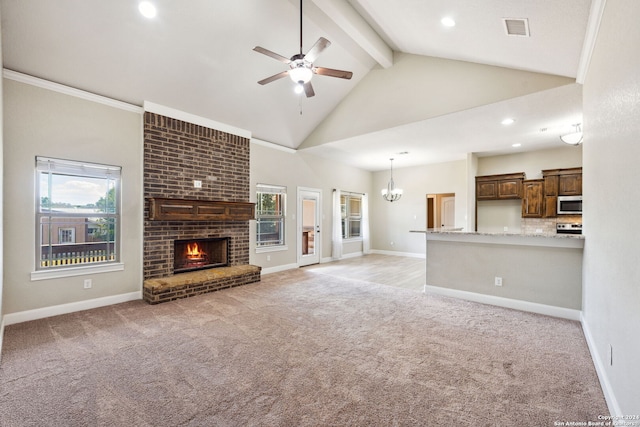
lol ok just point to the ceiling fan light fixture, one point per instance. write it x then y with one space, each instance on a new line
147 9
300 74
573 138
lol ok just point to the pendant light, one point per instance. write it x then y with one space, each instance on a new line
391 193
573 138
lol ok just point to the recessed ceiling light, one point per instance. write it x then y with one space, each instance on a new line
147 9
516 145
448 22
508 121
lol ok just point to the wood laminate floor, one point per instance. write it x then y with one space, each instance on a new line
391 270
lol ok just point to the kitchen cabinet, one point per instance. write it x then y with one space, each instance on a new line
559 182
550 206
570 185
498 187
533 199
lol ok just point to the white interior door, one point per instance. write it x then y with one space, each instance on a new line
309 222
448 212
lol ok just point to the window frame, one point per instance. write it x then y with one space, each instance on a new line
281 243
47 216
347 217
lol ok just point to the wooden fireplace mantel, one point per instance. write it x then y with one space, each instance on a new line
162 209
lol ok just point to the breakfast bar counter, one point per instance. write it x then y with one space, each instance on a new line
533 272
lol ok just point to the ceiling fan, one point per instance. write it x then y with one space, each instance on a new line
301 67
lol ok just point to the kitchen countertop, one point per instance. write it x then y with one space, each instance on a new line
458 235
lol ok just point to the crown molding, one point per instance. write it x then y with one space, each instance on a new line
68 90
272 145
593 26
195 119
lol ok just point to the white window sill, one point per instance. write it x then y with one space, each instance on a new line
352 239
76 271
272 249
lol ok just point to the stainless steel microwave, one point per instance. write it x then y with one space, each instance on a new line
571 205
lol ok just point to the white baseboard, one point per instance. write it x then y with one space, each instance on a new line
395 253
352 255
612 402
278 268
56 310
532 307
1 335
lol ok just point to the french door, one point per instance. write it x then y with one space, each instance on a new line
309 223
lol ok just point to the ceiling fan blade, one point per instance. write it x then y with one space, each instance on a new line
272 54
317 49
308 90
274 77
332 73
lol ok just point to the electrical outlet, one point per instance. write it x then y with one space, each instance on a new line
538 230
506 229
87 283
268 257
498 281
197 183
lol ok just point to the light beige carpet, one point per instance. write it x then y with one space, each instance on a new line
301 348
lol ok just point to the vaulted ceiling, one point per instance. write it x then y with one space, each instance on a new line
436 92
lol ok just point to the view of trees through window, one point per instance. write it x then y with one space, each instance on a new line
78 213
270 203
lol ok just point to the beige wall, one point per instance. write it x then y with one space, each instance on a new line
539 274
391 222
1 200
47 123
417 88
611 176
532 162
494 215
293 170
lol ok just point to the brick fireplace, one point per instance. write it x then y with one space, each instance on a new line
177 153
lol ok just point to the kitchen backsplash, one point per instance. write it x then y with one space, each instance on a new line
546 225
538 225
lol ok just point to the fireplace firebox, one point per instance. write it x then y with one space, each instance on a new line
200 254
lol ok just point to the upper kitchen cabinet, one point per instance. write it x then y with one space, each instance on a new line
570 185
560 182
533 200
497 187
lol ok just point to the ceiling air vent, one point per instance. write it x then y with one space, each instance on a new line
516 26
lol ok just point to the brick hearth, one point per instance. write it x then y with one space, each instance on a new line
186 285
175 154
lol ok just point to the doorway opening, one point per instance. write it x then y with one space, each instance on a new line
441 210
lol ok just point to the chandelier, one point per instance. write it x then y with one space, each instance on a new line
391 193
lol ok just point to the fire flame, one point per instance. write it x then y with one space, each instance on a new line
193 251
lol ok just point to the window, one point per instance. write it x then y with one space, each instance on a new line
78 213
67 235
270 214
351 210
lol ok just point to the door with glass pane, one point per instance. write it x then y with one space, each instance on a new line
309 220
